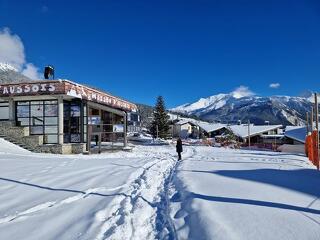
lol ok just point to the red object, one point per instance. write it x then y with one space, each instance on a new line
315 149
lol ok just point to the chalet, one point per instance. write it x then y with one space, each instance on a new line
257 133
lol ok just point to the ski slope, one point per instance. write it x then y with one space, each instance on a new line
145 194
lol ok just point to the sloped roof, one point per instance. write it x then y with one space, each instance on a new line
211 127
208 127
242 130
184 121
296 133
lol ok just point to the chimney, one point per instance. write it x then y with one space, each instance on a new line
49 72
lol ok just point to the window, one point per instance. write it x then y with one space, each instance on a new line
23 111
4 110
41 117
51 110
74 121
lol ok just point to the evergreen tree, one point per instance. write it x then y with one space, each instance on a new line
160 123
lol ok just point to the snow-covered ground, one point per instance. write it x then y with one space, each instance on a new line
240 194
213 193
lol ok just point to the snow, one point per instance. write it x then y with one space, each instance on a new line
212 102
211 127
206 126
296 133
82 197
7 67
238 194
214 193
242 99
242 130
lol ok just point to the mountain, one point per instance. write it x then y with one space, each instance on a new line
232 107
9 74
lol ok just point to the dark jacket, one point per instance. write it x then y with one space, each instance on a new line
179 145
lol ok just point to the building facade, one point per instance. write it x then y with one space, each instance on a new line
61 112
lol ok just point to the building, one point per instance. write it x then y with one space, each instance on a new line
259 134
295 135
187 127
212 130
184 128
61 116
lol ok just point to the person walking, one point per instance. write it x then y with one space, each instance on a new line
179 148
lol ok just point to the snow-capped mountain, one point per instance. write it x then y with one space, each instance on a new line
233 107
9 74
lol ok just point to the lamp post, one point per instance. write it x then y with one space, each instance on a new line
317 126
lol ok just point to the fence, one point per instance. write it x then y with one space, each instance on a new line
312 148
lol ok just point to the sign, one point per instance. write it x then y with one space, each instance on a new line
93 95
24 89
66 88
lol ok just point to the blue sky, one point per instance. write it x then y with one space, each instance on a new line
182 50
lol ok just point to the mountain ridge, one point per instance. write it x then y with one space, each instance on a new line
231 108
9 74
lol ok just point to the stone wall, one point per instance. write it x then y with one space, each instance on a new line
72 148
7 129
20 135
78 148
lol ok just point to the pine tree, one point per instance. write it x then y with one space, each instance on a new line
160 124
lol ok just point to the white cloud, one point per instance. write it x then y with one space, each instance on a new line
31 71
242 91
12 52
274 85
11 49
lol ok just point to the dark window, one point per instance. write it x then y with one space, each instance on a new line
74 122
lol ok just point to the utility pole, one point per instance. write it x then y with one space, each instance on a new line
317 125
249 133
307 120
157 131
316 110
311 119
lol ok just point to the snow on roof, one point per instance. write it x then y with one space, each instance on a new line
296 133
211 127
208 127
242 130
184 121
